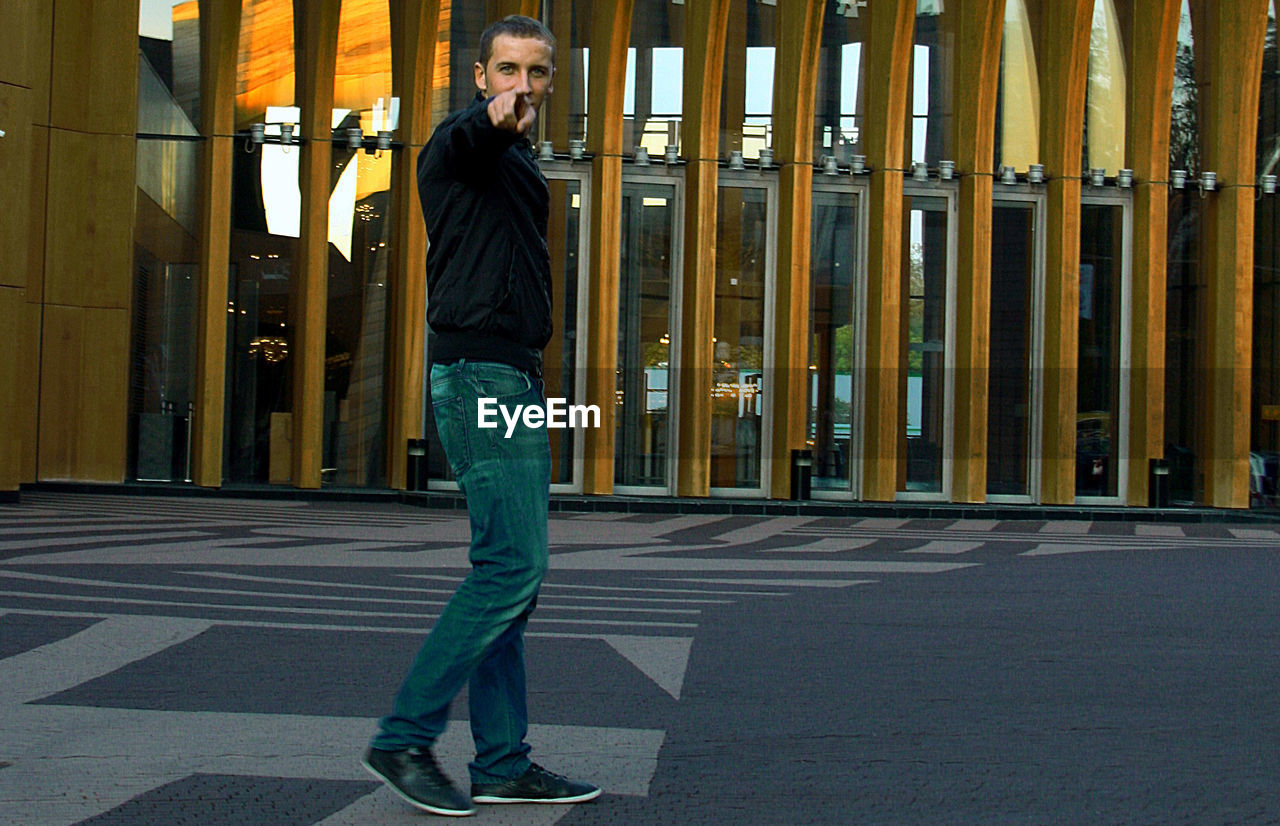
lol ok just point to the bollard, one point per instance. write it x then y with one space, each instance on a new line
1158 484
801 473
415 476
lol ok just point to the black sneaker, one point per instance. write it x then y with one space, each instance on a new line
536 785
414 775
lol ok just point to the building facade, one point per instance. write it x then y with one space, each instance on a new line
962 251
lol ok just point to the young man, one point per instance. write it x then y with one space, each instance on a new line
489 312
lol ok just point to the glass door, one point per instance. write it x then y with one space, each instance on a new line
743 335
647 327
1016 348
928 309
1102 416
836 311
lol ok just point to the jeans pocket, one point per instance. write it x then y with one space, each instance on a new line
491 380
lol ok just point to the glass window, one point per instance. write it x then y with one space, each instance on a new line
265 69
925 284
353 442
643 415
738 345
1010 399
1106 94
931 71
564 115
1098 418
654 100
746 100
1018 113
838 100
1265 437
166 274
265 214
1185 285
834 346
169 67
564 236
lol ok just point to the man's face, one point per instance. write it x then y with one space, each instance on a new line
519 63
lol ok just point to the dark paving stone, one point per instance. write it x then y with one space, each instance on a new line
233 800
23 632
356 674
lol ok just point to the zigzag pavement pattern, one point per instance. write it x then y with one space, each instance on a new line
143 585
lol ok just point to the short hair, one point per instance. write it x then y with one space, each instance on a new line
515 25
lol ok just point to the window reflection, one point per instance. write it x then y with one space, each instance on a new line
931 71
654 99
1106 92
833 345
838 100
643 413
738 349
1265 436
564 115
166 269
1009 393
924 283
1185 285
1098 391
746 102
1018 116
265 70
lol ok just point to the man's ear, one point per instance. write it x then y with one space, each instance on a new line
481 84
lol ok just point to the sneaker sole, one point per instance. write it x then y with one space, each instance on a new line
581 798
417 804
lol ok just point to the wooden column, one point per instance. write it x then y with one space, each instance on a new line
316 43
219 50
88 242
1229 41
1151 60
886 57
610 36
705 26
18 34
978 28
1063 45
799 36
414 28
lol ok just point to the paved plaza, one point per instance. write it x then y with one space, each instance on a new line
214 661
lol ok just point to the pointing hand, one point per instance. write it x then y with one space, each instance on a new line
511 111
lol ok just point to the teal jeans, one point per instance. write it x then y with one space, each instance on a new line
479 639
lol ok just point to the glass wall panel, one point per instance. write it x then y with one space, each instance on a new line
265 69
654 101
166 250
926 390
265 208
1010 399
165 291
353 451
1106 92
837 128
1265 436
564 115
643 415
169 67
1185 284
737 388
746 99
834 345
1018 110
931 71
1098 420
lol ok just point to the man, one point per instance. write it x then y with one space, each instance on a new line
489 311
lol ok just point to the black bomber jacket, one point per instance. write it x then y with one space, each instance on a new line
486 205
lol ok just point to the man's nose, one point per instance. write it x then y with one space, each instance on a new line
523 87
